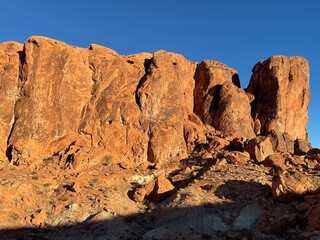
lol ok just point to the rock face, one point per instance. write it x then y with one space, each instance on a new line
165 98
281 89
93 105
233 114
9 80
209 77
220 102
54 86
83 104
152 145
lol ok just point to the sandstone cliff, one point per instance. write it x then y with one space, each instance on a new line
86 105
281 89
118 145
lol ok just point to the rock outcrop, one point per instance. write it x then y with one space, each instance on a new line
220 102
233 112
280 86
165 98
10 54
153 145
93 105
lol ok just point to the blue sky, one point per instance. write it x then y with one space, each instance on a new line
238 33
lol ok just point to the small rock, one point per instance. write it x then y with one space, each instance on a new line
312 164
314 153
257 127
281 142
39 218
124 165
221 161
237 158
76 187
139 195
155 191
163 185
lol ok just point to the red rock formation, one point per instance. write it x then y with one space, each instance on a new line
209 77
233 112
281 89
105 135
165 99
9 80
93 105
220 102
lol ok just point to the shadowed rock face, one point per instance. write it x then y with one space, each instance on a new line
92 105
281 89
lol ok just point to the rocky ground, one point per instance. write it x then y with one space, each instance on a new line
197 198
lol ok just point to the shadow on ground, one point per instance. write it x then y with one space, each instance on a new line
241 214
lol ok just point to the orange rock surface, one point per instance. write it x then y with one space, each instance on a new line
96 145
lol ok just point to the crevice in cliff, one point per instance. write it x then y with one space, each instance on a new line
195 100
22 60
288 85
147 69
255 114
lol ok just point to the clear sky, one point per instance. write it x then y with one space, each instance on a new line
238 33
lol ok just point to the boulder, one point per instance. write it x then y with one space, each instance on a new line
238 143
220 102
194 133
217 143
296 160
313 154
259 148
154 191
281 142
281 88
301 147
290 185
276 162
237 158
